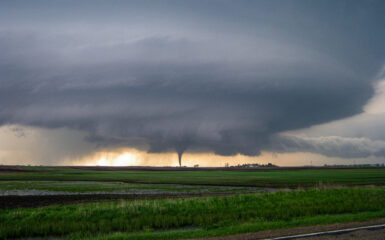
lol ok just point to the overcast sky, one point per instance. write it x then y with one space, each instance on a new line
248 79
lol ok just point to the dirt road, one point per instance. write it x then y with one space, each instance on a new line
378 234
361 234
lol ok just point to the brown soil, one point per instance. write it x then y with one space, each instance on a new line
10 202
11 173
271 234
4 168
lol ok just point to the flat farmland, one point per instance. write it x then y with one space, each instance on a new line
174 203
291 178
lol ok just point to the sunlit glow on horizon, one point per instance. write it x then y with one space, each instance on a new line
114 159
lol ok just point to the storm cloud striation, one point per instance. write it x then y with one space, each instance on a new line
200 81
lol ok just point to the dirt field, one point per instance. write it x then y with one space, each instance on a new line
11 169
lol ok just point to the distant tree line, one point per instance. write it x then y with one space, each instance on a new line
355 165
252 165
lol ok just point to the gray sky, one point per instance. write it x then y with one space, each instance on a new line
222 77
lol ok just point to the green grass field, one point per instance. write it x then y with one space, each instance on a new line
197 217
270 178
318 196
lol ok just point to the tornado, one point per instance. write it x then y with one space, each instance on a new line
180 149
180 158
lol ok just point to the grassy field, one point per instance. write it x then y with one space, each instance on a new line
271 178
317 196
197 217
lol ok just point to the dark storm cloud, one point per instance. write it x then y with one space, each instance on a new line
331 146
224 86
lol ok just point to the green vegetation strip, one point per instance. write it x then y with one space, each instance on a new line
271 178
197 217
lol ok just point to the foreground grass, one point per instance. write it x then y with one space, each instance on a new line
209 216
271 178
239 229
